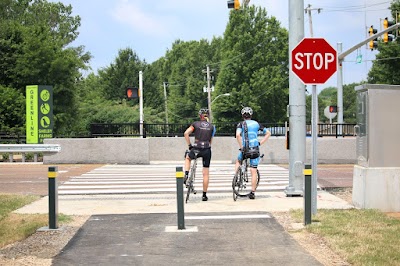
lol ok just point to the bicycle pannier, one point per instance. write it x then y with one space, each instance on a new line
252 153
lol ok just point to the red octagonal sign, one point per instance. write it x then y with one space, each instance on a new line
314 60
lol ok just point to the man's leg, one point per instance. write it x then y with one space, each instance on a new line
253 179
187 167
206 173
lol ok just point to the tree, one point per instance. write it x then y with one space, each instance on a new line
35 50
123 72
254 67
12 115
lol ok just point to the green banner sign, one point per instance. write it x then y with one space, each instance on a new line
39 113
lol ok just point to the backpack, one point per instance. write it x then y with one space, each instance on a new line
249 152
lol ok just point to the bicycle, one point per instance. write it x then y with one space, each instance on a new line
192 175
241 179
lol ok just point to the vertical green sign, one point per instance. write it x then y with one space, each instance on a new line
39 113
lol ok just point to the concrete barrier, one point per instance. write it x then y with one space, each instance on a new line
147 150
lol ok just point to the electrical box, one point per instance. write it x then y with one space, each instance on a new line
378 125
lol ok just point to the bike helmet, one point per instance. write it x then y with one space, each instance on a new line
247 112
204 113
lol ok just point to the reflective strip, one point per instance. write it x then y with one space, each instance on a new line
179 174
52 175
307 171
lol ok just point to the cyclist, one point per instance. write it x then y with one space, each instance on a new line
203 134
252 144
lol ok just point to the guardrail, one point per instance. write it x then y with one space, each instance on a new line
10 149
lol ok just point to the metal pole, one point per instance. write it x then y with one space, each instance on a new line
53 197
166 106
339 89
209 92
297 105
141 102
307 194
314 131
179 197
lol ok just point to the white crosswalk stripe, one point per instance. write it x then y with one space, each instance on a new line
156 179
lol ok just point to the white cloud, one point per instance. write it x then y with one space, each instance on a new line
131 14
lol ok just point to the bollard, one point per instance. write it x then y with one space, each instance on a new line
179 196
307 193
53 197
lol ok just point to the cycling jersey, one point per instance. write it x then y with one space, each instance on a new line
203 133
252 131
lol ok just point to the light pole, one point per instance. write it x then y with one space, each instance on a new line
166 105
225 94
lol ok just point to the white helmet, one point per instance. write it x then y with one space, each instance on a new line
247 111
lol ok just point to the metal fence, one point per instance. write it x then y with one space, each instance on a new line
102 130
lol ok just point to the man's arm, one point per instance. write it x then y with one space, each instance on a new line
266 137
187 133
239 138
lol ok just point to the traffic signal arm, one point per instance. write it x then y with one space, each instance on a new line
370 38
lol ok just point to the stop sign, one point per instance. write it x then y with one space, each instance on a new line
314 60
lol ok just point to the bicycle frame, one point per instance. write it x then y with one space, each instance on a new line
192 176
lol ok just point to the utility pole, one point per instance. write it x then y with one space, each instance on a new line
166 105
297 105
314 126
208 72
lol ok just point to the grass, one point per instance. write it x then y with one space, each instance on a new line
362 237
15 227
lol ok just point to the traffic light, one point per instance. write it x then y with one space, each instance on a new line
332 109
387 37
132 93
373 44
234 4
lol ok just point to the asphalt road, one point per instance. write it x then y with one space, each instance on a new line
32 178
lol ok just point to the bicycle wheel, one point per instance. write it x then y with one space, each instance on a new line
236 183
258 178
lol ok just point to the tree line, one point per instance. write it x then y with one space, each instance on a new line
250 62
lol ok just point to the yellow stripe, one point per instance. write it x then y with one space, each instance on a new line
179 174
52 175
307 171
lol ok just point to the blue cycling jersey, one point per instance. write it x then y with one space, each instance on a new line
252 132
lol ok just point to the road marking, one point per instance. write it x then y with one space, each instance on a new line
224 217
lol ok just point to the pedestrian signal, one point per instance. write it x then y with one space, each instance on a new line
132 93
332 109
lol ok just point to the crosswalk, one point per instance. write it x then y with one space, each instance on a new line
161 179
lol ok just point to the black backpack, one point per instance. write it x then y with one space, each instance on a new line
249 153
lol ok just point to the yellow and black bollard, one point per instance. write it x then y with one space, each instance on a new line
307 193
179 196
53 197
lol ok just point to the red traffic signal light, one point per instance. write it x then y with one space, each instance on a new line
332 109
132 93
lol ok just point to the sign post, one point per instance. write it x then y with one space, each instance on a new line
314 61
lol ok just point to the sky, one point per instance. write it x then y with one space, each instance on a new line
149 27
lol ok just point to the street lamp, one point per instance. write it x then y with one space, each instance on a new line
225 94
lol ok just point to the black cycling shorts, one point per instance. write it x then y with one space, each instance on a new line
203 153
